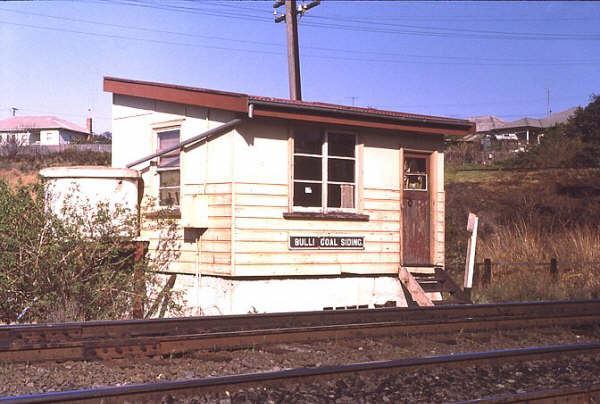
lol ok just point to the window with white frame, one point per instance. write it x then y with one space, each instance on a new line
324 169
168 168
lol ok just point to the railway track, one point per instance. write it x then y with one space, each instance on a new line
117 339
579 394
157 391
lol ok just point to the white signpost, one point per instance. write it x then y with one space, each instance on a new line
470 262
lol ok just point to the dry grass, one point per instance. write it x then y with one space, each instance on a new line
16 177
577 250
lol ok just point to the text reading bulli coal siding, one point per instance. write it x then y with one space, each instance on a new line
326 243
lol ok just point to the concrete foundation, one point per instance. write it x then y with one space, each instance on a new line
213 295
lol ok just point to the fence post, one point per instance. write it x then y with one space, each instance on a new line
554 268
486 279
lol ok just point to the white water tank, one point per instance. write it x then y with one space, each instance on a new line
85 187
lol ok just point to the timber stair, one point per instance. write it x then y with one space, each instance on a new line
436 283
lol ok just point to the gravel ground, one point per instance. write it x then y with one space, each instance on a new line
31 378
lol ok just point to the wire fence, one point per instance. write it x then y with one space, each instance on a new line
484 270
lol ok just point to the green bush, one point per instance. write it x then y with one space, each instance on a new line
76 267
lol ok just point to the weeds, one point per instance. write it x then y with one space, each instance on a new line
76 267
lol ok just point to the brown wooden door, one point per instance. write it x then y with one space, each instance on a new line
415 211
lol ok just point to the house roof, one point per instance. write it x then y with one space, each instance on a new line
486 122
259 106
546 122
17 123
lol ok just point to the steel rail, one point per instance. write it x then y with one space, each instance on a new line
107 341
578 394
155 391
114 348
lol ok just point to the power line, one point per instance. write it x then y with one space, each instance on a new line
360 59
427 31
318 48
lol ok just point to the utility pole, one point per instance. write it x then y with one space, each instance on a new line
548 110
291 21
14 110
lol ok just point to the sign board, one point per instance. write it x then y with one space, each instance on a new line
327 243
471 222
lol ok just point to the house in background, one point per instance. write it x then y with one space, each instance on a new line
42 130
495 134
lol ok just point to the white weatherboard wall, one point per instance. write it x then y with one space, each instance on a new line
241 263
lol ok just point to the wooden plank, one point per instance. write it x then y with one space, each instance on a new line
272 212
382 204
261 189
301 225
413 287
205 269
315 270
382 194
215 246
218 188
261 200
282 235
317 257
218 199
219 210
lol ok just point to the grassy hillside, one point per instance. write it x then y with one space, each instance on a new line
23 168
527 215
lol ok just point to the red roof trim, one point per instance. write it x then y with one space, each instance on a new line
291 109
178 94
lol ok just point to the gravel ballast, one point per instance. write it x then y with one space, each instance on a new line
425 386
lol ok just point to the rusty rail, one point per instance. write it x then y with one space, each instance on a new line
118 339
579 394
156 391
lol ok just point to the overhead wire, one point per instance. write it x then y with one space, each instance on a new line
468 61
411 29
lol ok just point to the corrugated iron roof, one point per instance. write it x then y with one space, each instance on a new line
487 122
546 122
38 122
349 109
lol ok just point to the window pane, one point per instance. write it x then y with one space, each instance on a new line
308 141
340 196
169 178
415 181
414 165
169 196
169 160
340 170
340 144
168 139
307 168
307 194
165 140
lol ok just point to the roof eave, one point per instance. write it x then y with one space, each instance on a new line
322 114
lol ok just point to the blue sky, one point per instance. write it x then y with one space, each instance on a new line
455 59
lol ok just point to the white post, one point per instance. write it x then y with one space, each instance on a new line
470 262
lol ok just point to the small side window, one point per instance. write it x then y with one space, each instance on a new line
168 169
